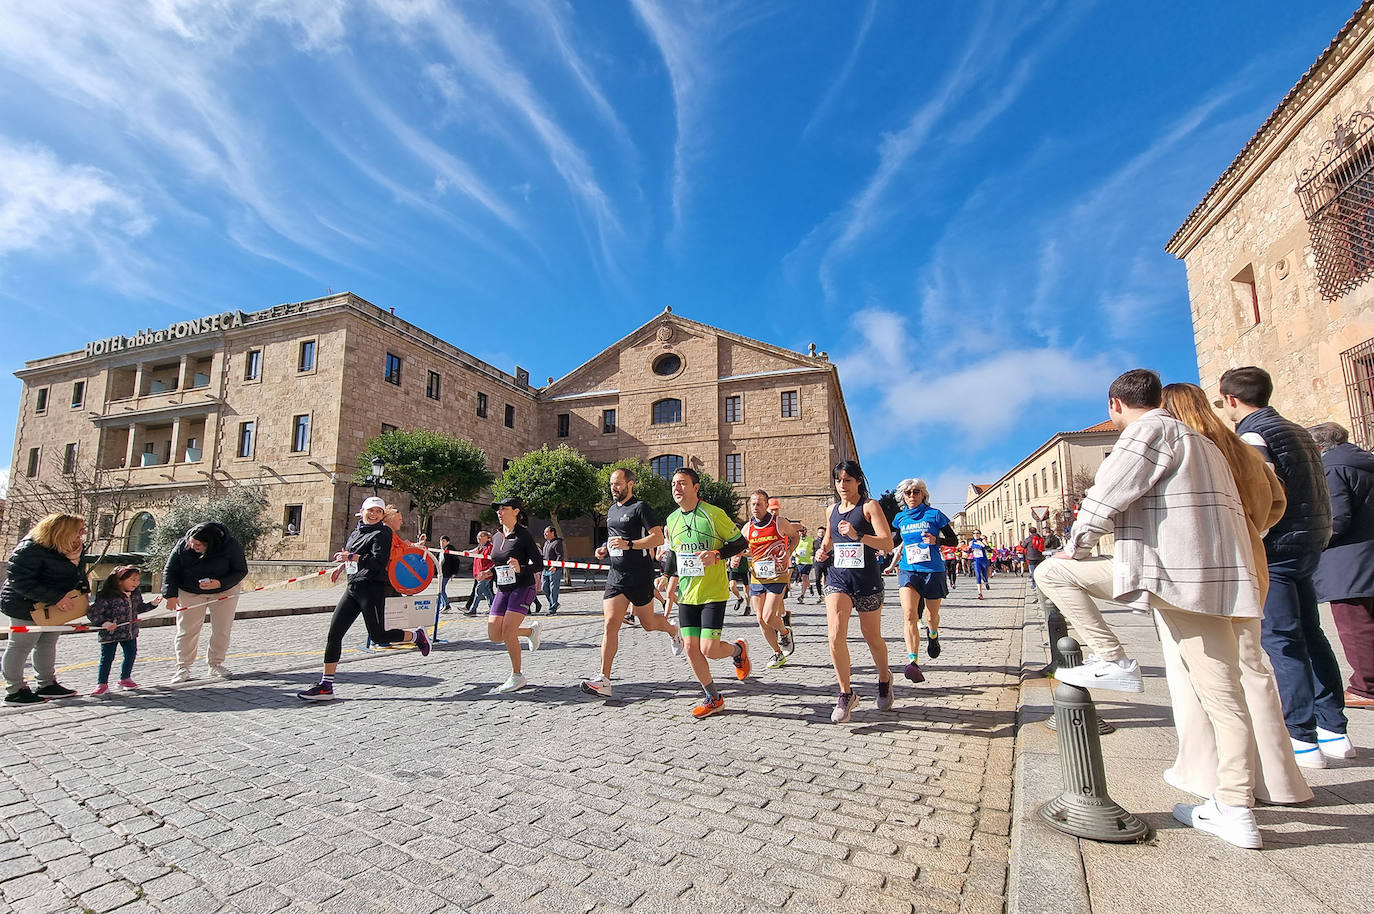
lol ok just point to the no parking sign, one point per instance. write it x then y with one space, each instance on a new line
410 571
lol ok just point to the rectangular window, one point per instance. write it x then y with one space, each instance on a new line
69 459
1054 472
607 421
1357 365
247 432
306 361
734 409
432 386
505 464
474 528
393 369
106 526
1044 480
32 469
510 416
387 428
41 406
791 409
564 420
734 468
300 434
1035 486
291 520
481 406
78 394
252 365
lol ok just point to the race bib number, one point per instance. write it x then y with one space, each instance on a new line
849 555
765 568
350 567
505 574
614 552
917 555
690 565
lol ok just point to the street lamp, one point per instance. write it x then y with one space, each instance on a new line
377 479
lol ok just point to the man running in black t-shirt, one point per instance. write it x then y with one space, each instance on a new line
633 533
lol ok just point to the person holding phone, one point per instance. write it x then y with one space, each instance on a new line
206 563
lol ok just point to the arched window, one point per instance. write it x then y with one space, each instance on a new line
141 532
666 465
666 411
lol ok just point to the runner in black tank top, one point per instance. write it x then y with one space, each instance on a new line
856 529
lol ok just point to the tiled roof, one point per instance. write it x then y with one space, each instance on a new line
1104 426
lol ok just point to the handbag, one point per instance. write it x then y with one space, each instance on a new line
44 614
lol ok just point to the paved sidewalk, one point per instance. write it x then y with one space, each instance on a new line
421 791
1315 858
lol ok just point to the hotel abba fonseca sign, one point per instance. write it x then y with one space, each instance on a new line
214 323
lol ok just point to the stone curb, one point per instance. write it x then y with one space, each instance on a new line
1046 874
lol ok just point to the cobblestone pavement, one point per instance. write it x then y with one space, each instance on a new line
422 792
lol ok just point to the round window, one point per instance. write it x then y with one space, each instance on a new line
668 364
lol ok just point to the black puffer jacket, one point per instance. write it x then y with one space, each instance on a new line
1346 570
223 561
372 542
38 574
1306 524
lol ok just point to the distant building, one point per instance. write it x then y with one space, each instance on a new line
1280 251
1049 481
286 397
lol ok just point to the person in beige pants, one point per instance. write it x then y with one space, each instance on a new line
207 563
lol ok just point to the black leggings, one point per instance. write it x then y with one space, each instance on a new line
369 601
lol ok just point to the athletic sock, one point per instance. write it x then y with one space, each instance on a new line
884 686
911 657
327 679
932 633
739 649
712 693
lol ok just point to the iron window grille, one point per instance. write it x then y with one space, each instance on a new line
665 465
734 408
1358 367
1337 195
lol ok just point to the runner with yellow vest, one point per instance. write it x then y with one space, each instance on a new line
770 536
806 547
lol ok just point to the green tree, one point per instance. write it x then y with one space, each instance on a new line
242 509
650 488
722 494
434 469
888 502
557 482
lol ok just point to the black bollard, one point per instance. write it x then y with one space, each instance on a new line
1084 809
1071 655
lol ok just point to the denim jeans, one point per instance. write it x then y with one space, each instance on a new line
443 591
1305 666
552 581
482 590
126 665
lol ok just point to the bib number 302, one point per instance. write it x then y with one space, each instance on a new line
849 555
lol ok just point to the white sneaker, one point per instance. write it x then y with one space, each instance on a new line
598 685
182 675
1309 755
515 683
1232 824
1173 780
220 671
536 635
679 646
1334 745
1119 676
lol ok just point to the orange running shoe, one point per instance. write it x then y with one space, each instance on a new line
742 664
709 706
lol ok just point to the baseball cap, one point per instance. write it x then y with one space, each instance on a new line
511 502
371 501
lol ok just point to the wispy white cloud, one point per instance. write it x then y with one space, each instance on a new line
846 69
4 482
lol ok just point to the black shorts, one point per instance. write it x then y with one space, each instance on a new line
738 576
701 620
639 591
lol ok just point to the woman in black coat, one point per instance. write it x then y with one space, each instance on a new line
207 563
44 568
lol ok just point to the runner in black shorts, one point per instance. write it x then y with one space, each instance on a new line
737 573
633 535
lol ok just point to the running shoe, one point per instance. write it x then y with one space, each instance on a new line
1334 745
320 691
220 671
515 683
785 640
1104 674
24 696
1232 824
598 685
844 707
778 659
100 689
421 642
127 684
536 636
741 661
885 695
55 690
913 672
709 706
801 598
1307 755
933 646
679 645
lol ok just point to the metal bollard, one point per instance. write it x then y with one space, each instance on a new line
1071 655
1084 809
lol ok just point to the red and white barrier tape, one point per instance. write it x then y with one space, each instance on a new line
586 566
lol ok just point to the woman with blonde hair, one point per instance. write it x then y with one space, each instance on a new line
44 568
1278 779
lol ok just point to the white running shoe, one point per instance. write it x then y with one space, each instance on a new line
536 635
220 671
1119 676
1232 824
515 683
1173 780
1335 745
679 646
598 685
182 675
1309 755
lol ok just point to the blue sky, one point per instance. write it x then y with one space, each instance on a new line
964 203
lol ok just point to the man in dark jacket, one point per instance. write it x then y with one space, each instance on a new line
448 570
207 564
1345 575
1305 666
553 577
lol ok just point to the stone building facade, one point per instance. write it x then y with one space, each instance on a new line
285 398
1053 476
1280 250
